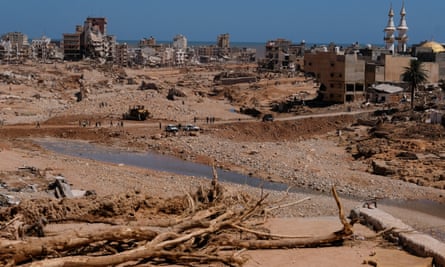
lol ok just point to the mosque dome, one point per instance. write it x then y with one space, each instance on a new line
435 46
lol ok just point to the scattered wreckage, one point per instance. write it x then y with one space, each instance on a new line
31 180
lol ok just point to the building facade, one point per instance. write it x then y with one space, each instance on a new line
180 42
282 55
431 52
71 46
341 76
15 47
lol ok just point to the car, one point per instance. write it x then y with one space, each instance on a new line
171 128
191 128
268 117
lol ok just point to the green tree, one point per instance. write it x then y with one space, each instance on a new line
415 75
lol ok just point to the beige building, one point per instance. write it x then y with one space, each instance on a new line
282 55
223 41
341 76
394 66
121 53
431 52
391 68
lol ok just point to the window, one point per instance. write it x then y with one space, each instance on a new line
332 74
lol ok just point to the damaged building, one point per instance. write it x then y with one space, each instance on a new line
222 51
282 55
14 47
44 49
90 41
179 53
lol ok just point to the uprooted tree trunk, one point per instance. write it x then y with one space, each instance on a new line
197 235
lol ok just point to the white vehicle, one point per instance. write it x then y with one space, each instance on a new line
191 127
171 128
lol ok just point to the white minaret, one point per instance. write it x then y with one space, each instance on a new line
389 31
402 29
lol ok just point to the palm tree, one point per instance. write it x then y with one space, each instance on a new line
415 75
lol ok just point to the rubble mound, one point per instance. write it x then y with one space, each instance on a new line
93 208
405 149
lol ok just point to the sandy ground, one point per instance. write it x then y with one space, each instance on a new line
302 153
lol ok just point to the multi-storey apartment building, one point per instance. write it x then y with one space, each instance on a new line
180 42
90 40
341 76
15 46
121 55
71 46
281 54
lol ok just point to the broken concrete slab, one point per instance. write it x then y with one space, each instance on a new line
413 241
61 188
381 167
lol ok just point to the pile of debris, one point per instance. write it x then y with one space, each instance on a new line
232 77
29 181
402 146
197 229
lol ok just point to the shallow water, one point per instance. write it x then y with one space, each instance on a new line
156 161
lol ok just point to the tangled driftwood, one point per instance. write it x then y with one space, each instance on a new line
199 228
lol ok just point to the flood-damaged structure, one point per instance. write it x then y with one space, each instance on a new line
282 55
14 47
90 41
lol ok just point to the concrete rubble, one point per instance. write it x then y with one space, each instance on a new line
404 235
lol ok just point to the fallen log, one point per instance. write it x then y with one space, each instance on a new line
21 251
333 239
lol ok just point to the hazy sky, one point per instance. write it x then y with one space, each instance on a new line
316 21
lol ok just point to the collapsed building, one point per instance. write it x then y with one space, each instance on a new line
90 41
179 53
282 55
14 46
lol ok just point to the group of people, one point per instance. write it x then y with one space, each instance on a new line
86 123
210 120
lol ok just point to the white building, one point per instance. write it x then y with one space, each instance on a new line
40 48
180 57
180 42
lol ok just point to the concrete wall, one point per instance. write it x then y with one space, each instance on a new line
432 70
395 66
